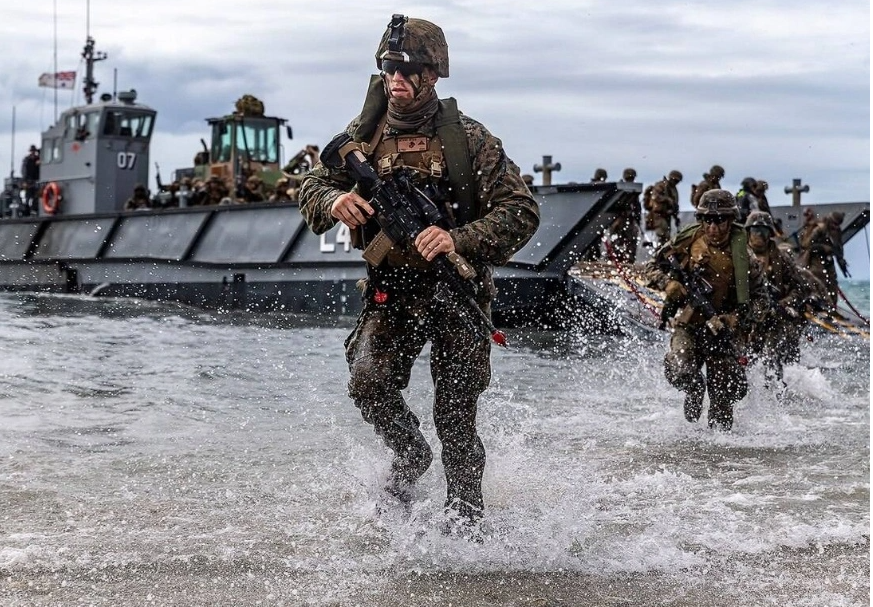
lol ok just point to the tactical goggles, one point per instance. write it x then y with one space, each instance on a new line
715 219
390 66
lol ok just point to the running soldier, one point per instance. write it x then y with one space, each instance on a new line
404 128
716 285
776 341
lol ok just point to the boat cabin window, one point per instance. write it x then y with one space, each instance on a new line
121 123
57 150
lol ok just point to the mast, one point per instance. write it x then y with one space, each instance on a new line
91 57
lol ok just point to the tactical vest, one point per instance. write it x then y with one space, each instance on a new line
684 241
451 139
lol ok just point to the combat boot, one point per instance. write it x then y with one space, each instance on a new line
462 520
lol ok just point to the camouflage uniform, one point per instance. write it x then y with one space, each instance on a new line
661 202
737 295
776 340
401 313
817 255
624 230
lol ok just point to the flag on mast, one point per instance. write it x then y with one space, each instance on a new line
58 80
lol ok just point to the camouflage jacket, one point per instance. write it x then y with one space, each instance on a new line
506 215
664 199
725 284
783 278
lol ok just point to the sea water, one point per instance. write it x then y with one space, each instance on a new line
152 454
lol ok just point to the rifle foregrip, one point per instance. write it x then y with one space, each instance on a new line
377 249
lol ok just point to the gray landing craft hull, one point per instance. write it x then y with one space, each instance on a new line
263 257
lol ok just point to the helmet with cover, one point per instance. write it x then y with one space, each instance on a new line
717 203
716 171
629 174
414 41
760 219
749 184
675 176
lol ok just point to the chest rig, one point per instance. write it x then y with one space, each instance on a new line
439 159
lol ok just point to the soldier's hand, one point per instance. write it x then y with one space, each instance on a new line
351 209
675 291
432 241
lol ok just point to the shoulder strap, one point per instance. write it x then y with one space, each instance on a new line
373 112
740 257
458 164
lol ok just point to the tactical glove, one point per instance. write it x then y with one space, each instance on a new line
675 291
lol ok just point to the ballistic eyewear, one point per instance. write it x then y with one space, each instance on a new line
715 219
390 66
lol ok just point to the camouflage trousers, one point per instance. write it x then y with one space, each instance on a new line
381 352
776 343
690 349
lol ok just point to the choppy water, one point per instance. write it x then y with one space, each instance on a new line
155 455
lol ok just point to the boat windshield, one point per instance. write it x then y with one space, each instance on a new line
256 139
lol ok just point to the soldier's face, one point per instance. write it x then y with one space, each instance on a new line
403 89
716 229
758 239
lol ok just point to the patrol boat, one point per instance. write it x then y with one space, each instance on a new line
255 256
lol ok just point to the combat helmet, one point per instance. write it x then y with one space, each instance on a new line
599 175
720 203
748 183
675 176
716 171
629 174
410 40
760 219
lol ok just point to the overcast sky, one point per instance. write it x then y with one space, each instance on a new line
770 89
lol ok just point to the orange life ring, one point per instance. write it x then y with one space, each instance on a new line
51 198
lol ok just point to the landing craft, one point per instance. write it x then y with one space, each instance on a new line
255 256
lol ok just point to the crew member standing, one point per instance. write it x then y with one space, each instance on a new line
405 127
713 252
30 175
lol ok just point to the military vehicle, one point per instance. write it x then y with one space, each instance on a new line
243 143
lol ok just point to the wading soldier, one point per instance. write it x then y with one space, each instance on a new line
710 278
776 340
403 129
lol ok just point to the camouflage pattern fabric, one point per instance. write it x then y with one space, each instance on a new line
507 215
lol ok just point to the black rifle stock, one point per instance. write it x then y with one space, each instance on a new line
403 211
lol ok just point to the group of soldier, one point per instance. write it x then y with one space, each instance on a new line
737 290
816 247
250 187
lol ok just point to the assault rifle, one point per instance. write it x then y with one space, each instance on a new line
699 292
403 211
